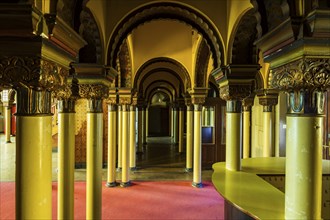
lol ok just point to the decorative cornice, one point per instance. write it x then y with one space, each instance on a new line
93 91
313 73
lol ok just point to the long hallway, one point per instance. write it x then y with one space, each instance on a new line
160 161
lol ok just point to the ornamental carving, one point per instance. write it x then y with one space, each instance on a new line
304 73
124 100
197 100
93 91
32 72
235 92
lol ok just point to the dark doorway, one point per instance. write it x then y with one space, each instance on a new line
159 123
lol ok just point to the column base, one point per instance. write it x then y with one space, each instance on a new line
197 185
126 184
118 169
133 168
188 170
112 184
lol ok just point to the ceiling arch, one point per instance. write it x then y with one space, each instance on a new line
166 66
160 84
166 10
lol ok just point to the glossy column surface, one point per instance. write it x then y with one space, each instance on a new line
246 134
120 123
34 167
181 130
268 147
94 165
175 127
125 149
197 169
303 183
189 142
66 162
111 177
8 124
140 131
132 151
233 141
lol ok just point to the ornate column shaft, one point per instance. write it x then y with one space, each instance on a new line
189 136
234 94
247 104
197 98
305 80
268 99
112 139
94 93
66 150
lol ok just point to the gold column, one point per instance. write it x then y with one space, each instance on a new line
144 121
303 183
8 123
112 142
120 131
125 148
189 138
181 130
304 132
140 129
94 159
66 158
233 135
197 169
197 98
33 155
268 98
247 103
175 126
132 142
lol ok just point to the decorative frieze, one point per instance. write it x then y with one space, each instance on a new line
312 73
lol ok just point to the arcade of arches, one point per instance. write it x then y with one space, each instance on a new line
239 86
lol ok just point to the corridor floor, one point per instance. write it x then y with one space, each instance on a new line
160 161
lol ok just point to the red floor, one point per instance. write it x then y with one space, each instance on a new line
143 200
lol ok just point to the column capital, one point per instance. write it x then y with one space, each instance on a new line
304 73
198 95
247 103
93 91
112 98
268 98
125 96
236 90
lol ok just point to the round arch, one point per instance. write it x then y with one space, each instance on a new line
166 10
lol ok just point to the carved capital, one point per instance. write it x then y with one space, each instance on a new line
235 91
66 105
234 106
247 103
32 72
268 98
124 100
125 96
93 91
198 95
305 73
112 98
